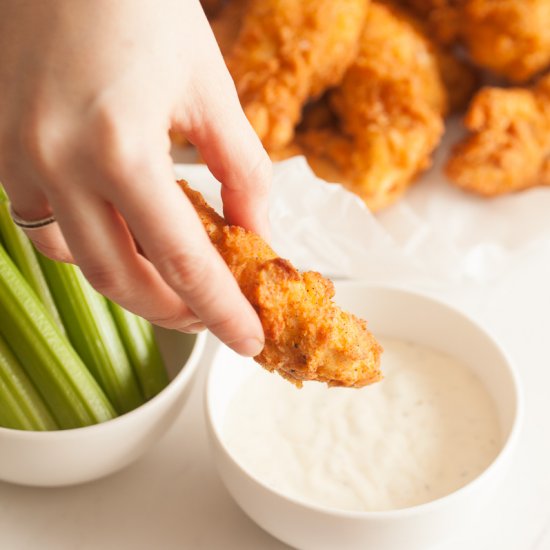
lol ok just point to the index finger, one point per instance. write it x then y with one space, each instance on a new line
168 229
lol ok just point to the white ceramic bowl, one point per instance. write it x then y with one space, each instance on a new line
406 315
68 457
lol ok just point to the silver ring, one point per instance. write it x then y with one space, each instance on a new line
31 224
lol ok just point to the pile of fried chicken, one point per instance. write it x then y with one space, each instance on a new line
363 88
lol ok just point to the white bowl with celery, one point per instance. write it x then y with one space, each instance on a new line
85 386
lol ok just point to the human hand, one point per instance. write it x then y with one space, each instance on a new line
88 92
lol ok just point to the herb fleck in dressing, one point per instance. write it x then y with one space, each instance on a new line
428 428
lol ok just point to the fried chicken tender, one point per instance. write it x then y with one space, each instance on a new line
307 337
389 109
509 148
443 17
511 38
438 21
288 52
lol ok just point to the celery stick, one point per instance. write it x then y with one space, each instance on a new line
22 252
93 333
140 343
21 407
72 395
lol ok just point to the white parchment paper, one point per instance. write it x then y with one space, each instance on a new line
436 234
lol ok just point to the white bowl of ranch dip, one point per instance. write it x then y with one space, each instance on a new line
404 463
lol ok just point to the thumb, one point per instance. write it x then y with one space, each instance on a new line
232 152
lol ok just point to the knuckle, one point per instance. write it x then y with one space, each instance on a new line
33 139
229 326
185 272
41 145
261 173
108 282
256 178
118 156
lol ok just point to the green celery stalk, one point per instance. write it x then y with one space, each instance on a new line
21 407
22 252
139 340
93 333
69 390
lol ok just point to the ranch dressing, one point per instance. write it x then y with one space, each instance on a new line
428 428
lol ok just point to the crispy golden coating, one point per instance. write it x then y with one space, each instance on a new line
509 37
458 75
509 147
389 108
393 49
307 337
288 52
443 17
439 21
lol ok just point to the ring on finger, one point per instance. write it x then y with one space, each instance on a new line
31 224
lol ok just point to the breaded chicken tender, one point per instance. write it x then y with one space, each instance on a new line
307 337
439 21
443 17
389 109
511 38
509 145
288 52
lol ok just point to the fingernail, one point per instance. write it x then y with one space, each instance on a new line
249 347
193 328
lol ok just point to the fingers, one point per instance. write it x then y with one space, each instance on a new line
126 189
95 134
168 229
105 251
232 151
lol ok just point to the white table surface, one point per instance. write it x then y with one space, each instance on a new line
172 498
